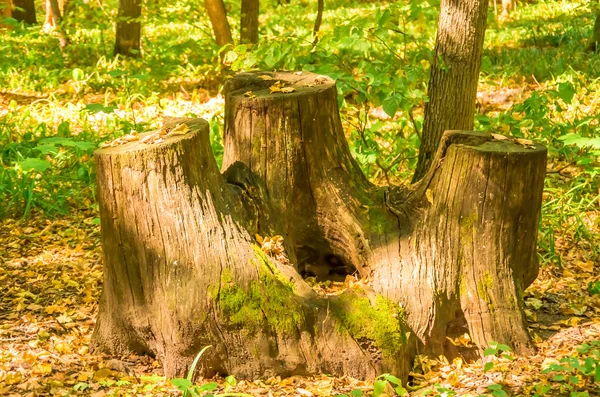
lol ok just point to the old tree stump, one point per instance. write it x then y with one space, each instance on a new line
450 255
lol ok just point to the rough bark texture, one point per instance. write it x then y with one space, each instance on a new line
448 256
129 28
24 11
182 271
595 39
249 22
454 74
218 19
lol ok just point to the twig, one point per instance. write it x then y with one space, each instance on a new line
414 123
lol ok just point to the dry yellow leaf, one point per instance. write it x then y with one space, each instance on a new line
13 378
287 90
274 88
525 142
41 369
102 373
259 239
180 129
265 77
429 195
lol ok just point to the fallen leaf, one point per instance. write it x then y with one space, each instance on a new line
499 137
429 195
41 369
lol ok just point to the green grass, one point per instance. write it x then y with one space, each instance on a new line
538 51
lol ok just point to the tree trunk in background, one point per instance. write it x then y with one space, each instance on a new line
448 256
595 39
249 22
507 7
318 20
129 28
48 19
53 20
5 12
26 13
218 18
454 75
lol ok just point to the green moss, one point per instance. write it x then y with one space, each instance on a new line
484 287
382 323
466 226
463 286
268 302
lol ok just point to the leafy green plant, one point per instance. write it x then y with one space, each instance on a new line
496 390
578 372
383 380
496 350
188 388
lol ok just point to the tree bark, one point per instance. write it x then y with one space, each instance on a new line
454 75
507 6
5 12
318 20
218 19
448 256
595 39
249 22
24 11
48 19
53 20
129 29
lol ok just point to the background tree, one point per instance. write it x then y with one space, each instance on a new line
129 28
24 11
454 74
5 12
218 19
53 20
593 43
249 22
318 20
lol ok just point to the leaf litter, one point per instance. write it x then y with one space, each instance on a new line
52 271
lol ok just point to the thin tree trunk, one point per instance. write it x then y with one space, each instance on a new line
507 6
595 39
24 11
218 18
249 22
49 22
454 74
5 12
320 7
129 28
54 19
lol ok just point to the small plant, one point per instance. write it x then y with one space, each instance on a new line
383 380
439 391
188 388
497 350
579 371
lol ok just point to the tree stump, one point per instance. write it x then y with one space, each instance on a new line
450 255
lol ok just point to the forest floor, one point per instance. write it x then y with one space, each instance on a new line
52 270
